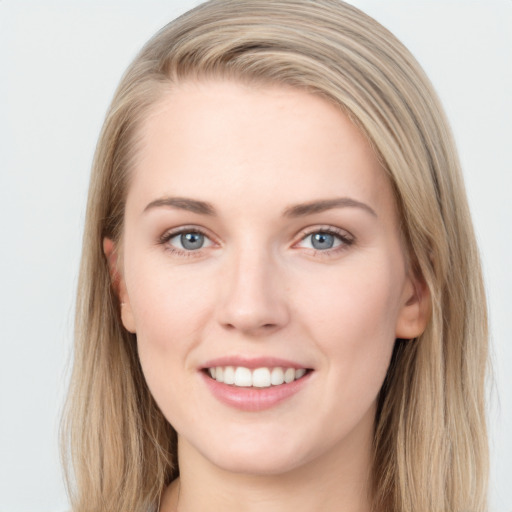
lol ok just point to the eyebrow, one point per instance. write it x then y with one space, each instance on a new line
313 207
298 210
182 203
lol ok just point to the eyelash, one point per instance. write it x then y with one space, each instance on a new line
169 235
346 240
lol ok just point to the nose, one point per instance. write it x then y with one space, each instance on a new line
254 299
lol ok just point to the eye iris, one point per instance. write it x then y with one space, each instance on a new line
322 241
191 241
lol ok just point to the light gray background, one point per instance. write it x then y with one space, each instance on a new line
59 64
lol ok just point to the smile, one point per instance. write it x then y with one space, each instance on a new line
239 376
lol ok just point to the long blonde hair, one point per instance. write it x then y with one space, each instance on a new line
430 446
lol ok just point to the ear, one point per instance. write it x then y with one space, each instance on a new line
415 310
118 284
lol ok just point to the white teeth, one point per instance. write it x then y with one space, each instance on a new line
243 377
229 375
258 378
277 376
261 378
298 373
289 375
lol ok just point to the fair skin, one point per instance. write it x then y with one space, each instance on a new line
261 232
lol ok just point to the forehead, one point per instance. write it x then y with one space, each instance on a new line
222 140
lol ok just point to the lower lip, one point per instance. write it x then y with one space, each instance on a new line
254 399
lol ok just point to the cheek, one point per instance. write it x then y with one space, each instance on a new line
170 308
170 313
361 301
352 321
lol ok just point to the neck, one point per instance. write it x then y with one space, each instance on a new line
335 481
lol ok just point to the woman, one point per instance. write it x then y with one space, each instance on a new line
280 301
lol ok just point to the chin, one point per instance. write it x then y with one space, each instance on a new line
260 456
261 465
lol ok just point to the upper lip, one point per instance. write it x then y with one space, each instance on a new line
252 362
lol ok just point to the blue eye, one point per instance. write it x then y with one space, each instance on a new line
321 241
192 241
325 240
188 241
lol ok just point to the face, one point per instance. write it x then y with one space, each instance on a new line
263 272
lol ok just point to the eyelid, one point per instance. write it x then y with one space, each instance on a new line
346 237
324 228
173 232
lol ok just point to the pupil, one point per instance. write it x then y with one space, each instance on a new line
192 241
322 241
